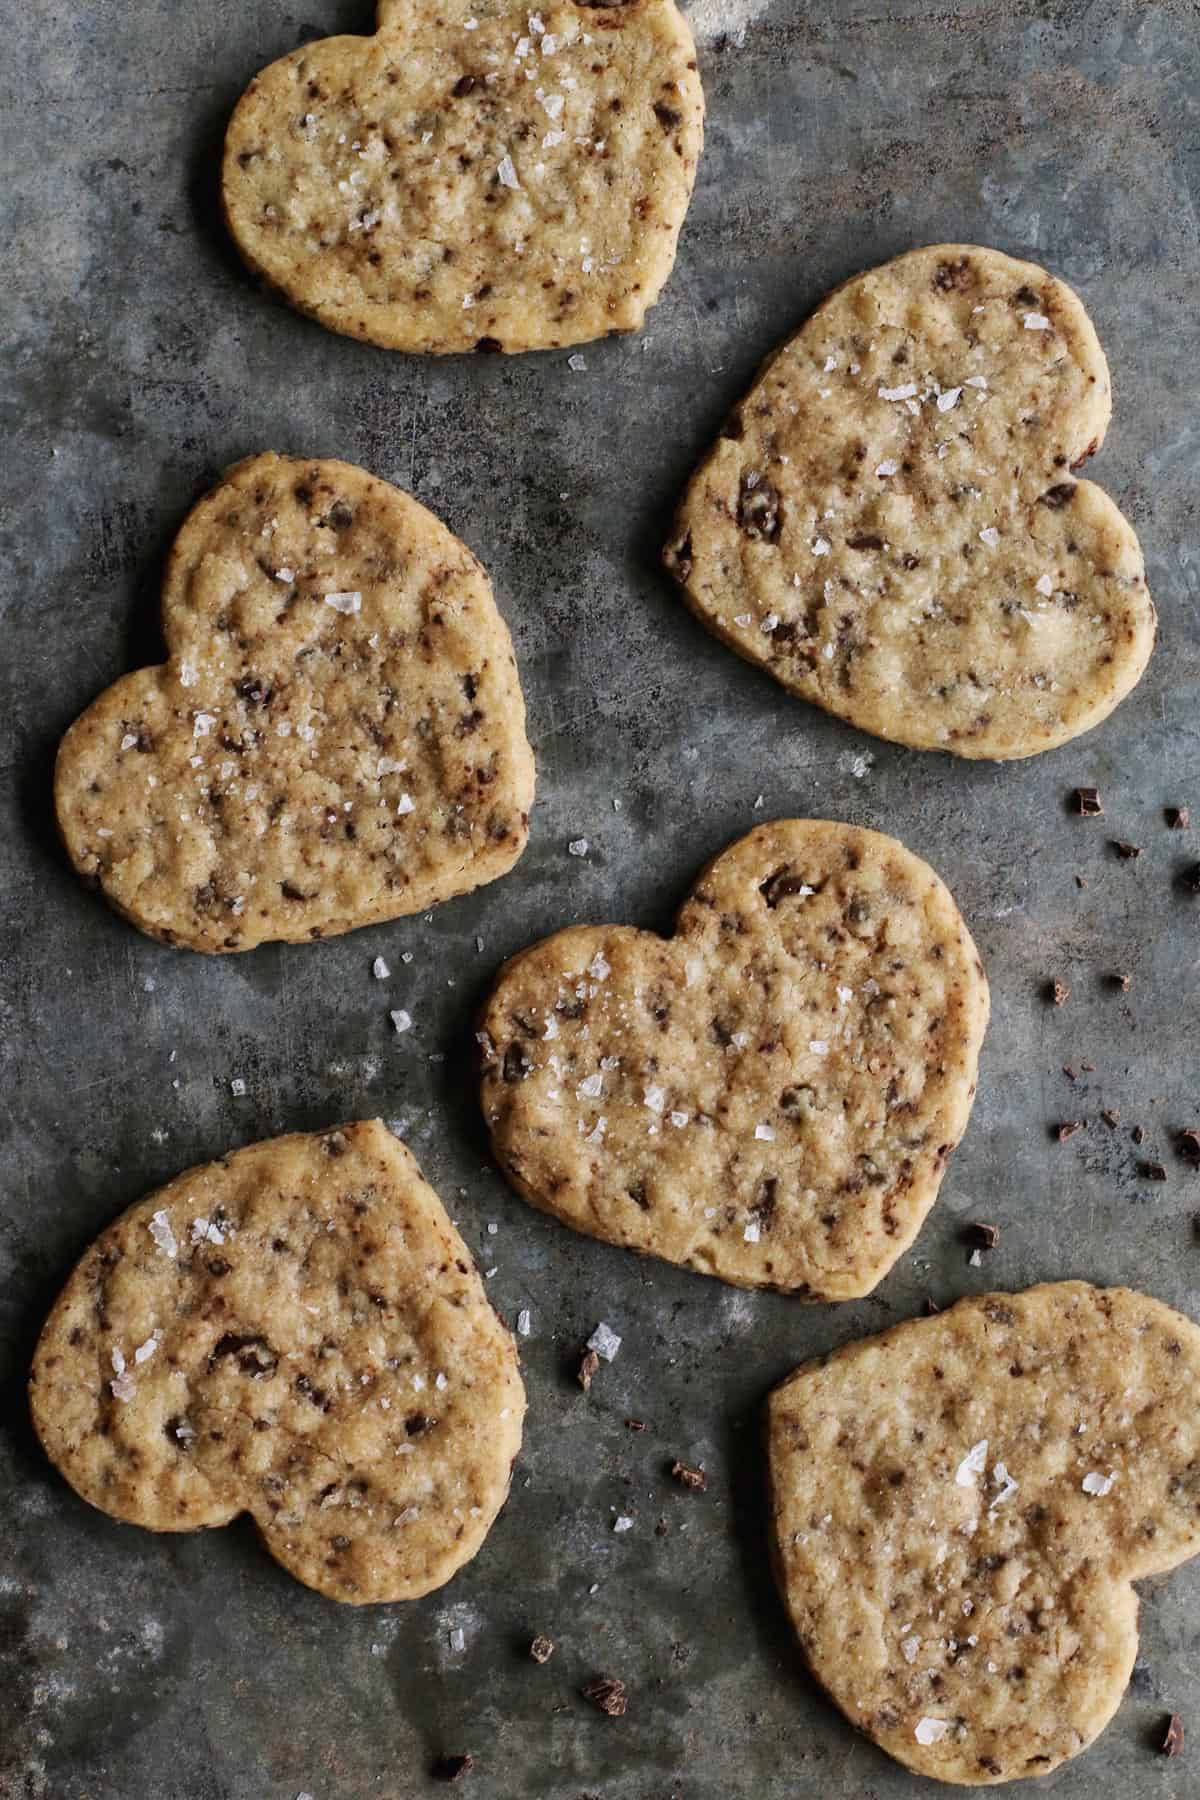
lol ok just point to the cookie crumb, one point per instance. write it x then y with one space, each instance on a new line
589 1363
1068 1128
982 1235
607 1695
541 1649
1057 992
452 1768
695 1479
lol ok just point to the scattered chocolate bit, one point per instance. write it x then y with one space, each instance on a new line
1127 852
1172 1744
1178 819
1191 879
1138 1134
695 1479
1069 1127
1152 1171
662 1529
607 1695
982 1235
931 1306
635 1424
1088 804
1189 1146
1057 992
1111 1117
1121 980
1088 1068
1069 1072
452 1768
541 1649
589 1362
1058 496
1080 882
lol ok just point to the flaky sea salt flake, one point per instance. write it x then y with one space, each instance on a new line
1035 322
160 1230
604 1341
1095 1483
344 603
972 1464
401 1020
931 1731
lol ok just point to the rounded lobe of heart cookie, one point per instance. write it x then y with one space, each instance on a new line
297 1332
337 738
769 1096
472 178
889 522
960 1505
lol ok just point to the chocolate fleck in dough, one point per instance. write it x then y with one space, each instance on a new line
769 1096
337 738
472 177
959 1508
297 1332
889 522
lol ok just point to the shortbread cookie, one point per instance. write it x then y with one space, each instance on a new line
296 1332
770 1095
474 176
337 738
889 524
959 1508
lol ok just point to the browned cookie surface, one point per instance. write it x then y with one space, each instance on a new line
889 523
960 1505
337 738
475 176
297 1332
770 1095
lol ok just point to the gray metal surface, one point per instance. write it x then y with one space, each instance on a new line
141 360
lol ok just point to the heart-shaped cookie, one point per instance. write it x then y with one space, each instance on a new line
337 738
960 1506
771 1094
888 522
475 176
296 1332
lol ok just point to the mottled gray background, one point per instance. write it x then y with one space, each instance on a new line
141 360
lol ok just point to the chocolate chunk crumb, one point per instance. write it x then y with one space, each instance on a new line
1138 1134
607 1695
1111 1117
1122 981
1152 1171
1068 1128
758 508
1178 818
1069 1072
635 1424
982 1235
1057 992
1058 496
1088 1068
1172 1744
931 1306
1127 852
541 1649
1088 803
589 1362
662 1529
695 1479
1080 881
1189 1146
452 1768
1191 880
